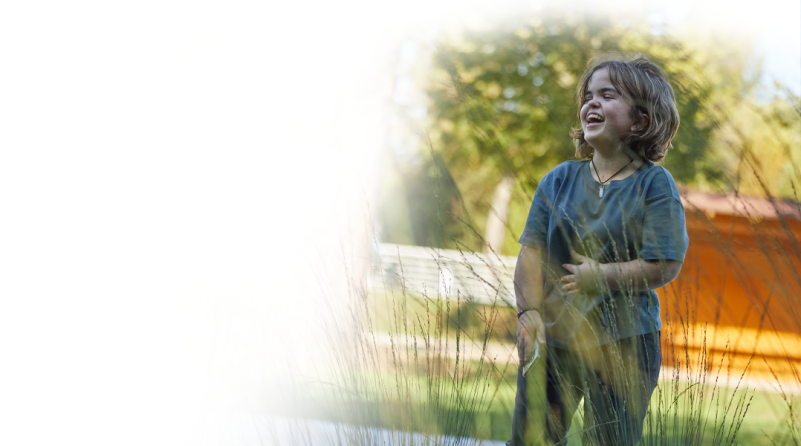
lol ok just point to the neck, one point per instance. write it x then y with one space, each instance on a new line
609 163
612 160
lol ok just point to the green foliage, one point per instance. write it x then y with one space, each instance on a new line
502 102
509 95
421 205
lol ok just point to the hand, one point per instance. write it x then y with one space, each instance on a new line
530 329
583 277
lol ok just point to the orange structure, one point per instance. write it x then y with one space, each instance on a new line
739 291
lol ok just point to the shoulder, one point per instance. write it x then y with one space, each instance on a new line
563 173
565 170
657 182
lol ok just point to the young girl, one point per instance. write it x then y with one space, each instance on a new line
603 232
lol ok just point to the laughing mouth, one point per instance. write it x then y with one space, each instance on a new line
594 118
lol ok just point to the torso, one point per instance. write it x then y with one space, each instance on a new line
607 229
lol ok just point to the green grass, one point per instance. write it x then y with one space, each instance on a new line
434 406
405 362
418 380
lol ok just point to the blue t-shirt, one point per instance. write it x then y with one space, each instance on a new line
638 217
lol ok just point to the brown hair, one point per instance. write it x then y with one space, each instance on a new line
644 86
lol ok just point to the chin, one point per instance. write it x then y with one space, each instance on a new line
591 141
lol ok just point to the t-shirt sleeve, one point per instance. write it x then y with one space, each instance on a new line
664 234
535 234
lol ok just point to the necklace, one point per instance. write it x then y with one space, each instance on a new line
603 183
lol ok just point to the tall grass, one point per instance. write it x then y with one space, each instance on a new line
430 360
423 360
407 358
407 361
435 375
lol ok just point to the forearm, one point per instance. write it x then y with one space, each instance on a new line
528 280
640 275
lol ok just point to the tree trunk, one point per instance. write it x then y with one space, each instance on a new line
496 220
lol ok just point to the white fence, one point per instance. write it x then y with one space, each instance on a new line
444 273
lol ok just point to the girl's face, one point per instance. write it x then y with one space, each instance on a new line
605 112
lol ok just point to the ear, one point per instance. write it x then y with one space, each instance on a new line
643 124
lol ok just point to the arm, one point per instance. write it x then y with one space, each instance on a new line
528 278
636 275
640 275
528 283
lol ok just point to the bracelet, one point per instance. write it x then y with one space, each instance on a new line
520 313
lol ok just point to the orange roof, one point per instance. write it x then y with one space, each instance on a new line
731 204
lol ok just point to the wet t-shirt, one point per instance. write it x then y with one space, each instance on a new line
638 217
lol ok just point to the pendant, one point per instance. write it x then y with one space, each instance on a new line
601 191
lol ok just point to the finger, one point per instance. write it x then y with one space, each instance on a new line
568 278
569 267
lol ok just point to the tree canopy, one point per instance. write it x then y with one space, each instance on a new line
502 103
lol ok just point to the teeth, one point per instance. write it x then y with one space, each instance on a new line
594 118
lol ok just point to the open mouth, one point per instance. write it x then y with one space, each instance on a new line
594 118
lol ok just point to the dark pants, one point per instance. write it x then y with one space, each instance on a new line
616 381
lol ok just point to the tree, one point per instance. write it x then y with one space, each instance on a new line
502 103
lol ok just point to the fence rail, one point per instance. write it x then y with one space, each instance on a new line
444 273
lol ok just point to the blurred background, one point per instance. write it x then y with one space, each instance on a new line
197 196
483 110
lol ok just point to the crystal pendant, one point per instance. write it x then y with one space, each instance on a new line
601 191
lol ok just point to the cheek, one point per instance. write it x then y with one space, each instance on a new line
621 119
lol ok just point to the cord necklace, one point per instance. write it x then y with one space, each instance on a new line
603 183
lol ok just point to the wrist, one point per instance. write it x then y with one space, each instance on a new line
520 312
605 269
611 274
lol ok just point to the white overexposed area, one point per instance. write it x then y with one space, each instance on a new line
186 186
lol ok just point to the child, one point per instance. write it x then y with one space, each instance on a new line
603 232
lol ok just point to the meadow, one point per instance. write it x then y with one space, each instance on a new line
437 363
440 359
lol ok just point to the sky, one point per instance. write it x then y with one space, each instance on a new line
774 25
186 190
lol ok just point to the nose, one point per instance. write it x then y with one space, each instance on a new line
590 105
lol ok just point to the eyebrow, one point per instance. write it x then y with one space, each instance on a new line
602 91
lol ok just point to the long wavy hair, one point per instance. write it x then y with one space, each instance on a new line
647 89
